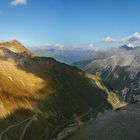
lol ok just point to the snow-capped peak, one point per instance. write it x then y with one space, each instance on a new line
130 45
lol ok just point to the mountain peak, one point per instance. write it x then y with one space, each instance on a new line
127 47
16 47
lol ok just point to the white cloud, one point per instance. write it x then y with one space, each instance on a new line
49 46
133 38
108 39
18 2
93 47
59 46
130 40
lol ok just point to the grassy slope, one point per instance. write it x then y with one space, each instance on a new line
55 92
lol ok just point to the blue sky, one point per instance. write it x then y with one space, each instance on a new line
69 22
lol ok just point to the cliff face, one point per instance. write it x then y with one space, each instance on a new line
121 70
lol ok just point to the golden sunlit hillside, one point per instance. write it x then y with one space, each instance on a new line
46 92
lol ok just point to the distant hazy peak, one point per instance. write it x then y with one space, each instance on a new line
127 47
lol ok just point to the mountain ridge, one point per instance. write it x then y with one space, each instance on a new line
54 91
121 65
16 47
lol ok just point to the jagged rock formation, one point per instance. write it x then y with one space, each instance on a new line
121 70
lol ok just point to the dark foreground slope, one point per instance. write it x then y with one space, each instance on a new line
123 124
39 93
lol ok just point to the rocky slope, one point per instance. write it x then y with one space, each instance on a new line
123 124
38 93
121 70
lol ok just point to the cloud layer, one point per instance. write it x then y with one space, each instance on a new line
18 2
132 40
108 39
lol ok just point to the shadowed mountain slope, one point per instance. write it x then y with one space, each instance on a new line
121 70
39 93
123 124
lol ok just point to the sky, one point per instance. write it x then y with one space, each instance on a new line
70 22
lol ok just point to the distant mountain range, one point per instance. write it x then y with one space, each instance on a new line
123 62
37 94
65 54
119 67
126 47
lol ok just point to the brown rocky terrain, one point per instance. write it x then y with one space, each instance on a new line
38 93
122 124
